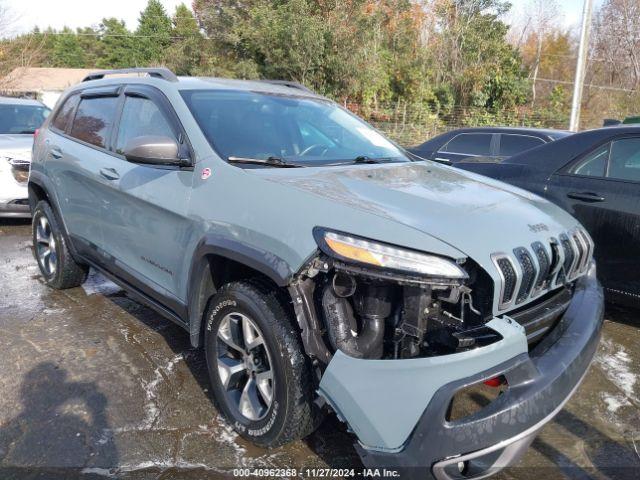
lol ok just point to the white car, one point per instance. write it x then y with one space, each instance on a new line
19 120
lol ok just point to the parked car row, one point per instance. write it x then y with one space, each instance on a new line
484 142
320 267
19 119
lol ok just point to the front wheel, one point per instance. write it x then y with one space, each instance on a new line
261 379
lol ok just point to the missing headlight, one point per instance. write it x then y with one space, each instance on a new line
369 313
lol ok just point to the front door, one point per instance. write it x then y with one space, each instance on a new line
146 227
602 190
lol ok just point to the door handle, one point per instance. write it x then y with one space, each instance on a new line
56 152
109 173
586 196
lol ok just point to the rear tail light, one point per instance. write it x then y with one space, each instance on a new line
35 134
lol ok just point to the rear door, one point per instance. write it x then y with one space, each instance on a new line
602 190
465 145
146 228
78 161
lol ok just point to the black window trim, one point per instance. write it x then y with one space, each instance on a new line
492 150
58 110
156 96
566 169
68 135
139 90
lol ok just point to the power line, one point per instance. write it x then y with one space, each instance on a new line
587 85
126 35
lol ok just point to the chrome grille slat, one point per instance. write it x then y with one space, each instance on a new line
569 256
587 249
544 265
510 281
529 273
580 250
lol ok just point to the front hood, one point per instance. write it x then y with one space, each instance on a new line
16 146
476 215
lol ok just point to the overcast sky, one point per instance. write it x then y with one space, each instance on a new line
79 13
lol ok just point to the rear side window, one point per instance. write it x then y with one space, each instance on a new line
470 143
61 121
141 117
94 120
594 164
624 160
514 144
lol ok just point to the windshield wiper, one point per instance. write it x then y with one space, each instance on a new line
25 132
365 159
270 161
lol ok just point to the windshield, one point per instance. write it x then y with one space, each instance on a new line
22 118
250 125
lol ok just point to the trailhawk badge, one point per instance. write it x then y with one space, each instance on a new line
206 173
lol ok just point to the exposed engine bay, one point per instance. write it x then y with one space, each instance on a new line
376 314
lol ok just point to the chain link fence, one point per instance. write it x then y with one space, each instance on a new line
411 124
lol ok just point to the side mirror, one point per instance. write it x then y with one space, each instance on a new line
153 149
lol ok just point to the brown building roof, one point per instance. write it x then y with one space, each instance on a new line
35 79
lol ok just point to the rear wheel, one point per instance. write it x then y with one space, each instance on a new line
260 377
58 268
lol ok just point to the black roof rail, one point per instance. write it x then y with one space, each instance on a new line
290 84
160 72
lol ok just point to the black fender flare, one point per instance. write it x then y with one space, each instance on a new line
200 286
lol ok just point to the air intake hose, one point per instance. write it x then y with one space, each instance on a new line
342 326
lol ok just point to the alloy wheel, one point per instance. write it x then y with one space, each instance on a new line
46 248
244 366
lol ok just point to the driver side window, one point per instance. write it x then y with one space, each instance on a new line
141 117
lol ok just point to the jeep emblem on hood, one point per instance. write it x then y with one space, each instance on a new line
538 227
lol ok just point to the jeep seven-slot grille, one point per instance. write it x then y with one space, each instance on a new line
533 272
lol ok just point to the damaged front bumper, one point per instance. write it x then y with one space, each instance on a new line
398 408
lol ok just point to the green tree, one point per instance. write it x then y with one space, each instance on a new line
67 50
474 57
154 34
91 45
184 55
118 47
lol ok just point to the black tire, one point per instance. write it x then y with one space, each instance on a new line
293 413
66 273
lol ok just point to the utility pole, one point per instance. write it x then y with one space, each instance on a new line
581 64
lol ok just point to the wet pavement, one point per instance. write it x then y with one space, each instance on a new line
95 385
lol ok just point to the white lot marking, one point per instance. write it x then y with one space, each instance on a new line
96 283
615 402
53 311
618 366
103 472
151 391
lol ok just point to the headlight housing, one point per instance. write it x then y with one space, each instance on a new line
352 249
